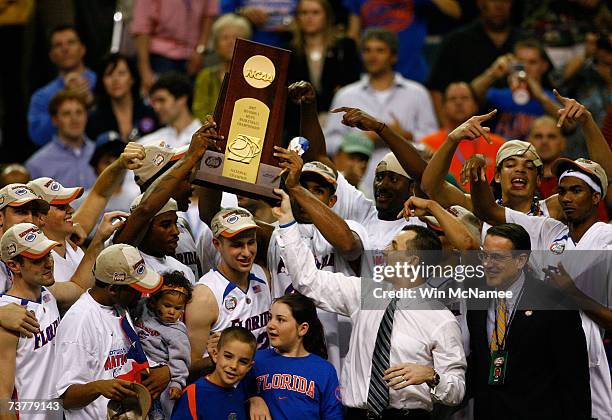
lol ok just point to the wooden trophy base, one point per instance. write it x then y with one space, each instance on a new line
210 175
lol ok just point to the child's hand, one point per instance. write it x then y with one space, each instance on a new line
174 393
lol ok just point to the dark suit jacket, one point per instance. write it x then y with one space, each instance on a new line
547 374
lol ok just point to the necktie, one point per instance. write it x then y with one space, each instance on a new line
501 321
378 392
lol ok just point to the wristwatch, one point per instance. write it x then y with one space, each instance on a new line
435 381
200 49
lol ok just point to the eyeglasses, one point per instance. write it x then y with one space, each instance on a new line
494 257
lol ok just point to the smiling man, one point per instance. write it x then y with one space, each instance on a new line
235 293
511 341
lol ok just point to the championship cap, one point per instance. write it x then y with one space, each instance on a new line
169 206
518 148
25 239
16 195
389 163
157 156
231 221
53 192
130 408
122 264
564 167
321 170
357 142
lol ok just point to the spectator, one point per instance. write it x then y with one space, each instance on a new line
592 83
549 143
171 35
407 19
92 341
402 104
352 157
271 19
459 104
66 52
527 97
171 99
296 333
491 35
66 158
225 31
222 394
320 56
119 107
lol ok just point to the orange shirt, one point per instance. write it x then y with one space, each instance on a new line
465 150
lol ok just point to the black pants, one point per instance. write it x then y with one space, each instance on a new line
388 414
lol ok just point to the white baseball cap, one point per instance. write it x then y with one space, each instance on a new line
25 239
389 163
122 264
585 166
170 205
157 156
231 221
53 192
518 148
16 195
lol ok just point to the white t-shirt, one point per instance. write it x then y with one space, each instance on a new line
91 347
593 275
353 205
326 259
187 250
171 136
486 226
35 358
247 308
168 264
64 267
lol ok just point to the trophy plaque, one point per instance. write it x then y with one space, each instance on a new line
249 113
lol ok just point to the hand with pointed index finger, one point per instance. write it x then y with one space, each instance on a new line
355 117
473 129
572 110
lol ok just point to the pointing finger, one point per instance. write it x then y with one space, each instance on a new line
341 109
486 117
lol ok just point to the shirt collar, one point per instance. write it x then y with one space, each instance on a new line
58 142
398 81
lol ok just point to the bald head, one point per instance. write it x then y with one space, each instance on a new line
547 138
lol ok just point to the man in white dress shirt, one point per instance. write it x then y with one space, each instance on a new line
171 99
408 365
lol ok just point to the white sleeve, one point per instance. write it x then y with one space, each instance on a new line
332 292
361 232
351 203
74 364
450 363
207 252
426 121
542 230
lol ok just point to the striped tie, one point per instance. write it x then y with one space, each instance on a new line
501 320
378 392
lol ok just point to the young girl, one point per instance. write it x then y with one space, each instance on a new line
293 378
164 337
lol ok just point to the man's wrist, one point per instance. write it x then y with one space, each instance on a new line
380 128
434 379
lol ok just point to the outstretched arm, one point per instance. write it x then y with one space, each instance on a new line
483 201
334 229
303 94
107 183
433 182
161 190
406 154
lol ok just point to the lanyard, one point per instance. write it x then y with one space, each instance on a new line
502 345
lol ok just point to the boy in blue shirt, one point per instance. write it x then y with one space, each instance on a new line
220 395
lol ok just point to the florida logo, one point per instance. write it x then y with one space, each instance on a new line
557 248
230 303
